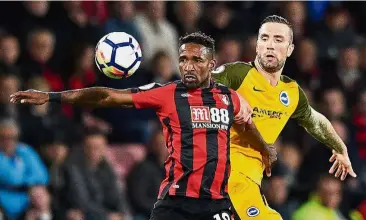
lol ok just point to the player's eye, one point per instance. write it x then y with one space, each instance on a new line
182 60
278 40
198 60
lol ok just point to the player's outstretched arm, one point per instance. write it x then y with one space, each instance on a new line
94 96
321 129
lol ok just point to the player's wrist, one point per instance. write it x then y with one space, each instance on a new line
54 97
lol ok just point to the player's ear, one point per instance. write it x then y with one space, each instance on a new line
290 49
212 64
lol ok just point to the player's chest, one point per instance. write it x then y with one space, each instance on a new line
275 104
198 110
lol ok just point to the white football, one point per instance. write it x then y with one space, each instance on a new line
118 55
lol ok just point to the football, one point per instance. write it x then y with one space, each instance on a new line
118 55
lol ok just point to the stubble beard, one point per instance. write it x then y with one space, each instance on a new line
270 67
195 85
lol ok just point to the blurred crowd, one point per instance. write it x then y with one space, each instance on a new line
60 162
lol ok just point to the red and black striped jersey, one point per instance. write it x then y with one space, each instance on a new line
196 125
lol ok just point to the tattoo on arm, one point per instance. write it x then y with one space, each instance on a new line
321 129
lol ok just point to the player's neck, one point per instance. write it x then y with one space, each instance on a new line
273 78
206 84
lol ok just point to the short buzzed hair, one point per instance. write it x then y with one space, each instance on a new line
280 20
199 38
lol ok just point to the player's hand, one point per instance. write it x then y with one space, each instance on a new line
245 113
342 165
269 156
32 97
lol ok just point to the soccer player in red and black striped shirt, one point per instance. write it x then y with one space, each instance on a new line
196 115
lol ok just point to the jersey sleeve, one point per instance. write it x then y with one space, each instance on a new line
303 109
149 96
236 101
231 74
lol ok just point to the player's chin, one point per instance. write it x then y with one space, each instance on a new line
271 67
191 85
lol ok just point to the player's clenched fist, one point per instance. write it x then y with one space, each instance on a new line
245 113
31 96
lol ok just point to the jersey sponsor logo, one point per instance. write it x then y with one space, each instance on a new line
200 114
219 70
284 98
186 95
148 86
206 117
252 211
261 112
224 99
257 90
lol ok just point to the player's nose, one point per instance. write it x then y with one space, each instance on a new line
189 67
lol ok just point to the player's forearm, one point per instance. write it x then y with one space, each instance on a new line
95 96
321 129
253 135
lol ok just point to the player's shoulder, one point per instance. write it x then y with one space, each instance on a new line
223 89
233 66
155 85
232 74
289 81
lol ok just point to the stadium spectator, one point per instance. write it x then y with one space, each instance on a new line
187 17
335 34
359 121
8 84
81 72
304 65
296 13
360 124
291 158
156 31
277 190
333 104
329 63
229 50
346 74
81 29
324 203
23 177
363 54
163 70
45 118
9 54
91 184
32 15
144 179
123 19
54 153
249 47
223 23
41 44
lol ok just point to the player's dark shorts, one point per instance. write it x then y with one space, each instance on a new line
184 208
